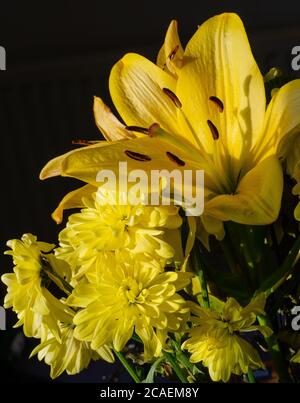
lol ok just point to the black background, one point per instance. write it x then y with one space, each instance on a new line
59 54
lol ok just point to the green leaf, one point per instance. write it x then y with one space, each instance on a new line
150 377
279 276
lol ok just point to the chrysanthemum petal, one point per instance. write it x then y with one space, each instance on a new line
122 333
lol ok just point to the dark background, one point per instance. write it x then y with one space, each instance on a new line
59 54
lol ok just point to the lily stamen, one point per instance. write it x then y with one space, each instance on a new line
217 102
175 159
138 129
137 156
173 53
213 129
84 142
173 97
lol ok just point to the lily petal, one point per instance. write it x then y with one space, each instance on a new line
146 153
111 128
257 199
221 83
170 55
282 119
136 87
72 200
297 212
289 151
54 166
213 226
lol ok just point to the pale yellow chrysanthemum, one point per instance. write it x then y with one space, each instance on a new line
27 294
135 296
216 338
103 226
69 354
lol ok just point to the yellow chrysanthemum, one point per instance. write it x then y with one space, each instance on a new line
216 338
69 354
27 294
92 236
134 296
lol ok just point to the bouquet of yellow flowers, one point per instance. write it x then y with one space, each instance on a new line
202 284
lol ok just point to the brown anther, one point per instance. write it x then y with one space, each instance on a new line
138 129
175 159
137 156
213 129
83 142
173 97
152 129
173 53
217 102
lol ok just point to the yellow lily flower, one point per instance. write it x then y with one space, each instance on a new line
210 105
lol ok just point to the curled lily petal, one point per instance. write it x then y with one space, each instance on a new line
257 199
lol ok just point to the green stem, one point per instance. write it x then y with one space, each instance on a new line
129 368
230 259
182 356
241 252
184 359
250 271
198 267
250 376
279 276
169 357
275 351
292 257
275 243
